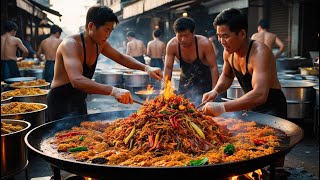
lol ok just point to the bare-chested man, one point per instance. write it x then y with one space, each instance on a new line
199 72
49 47
75 63
268 38
135 47
253 64
156 50
9 45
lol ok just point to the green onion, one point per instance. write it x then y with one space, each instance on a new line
80 148
81 138
129 136
199 162
198 130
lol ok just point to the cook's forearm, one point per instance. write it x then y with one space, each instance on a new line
223 83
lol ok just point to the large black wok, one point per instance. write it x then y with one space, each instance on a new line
36 136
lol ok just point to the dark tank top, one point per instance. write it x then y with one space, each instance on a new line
66 101
195 78
276 102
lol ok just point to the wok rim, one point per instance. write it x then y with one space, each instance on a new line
282 151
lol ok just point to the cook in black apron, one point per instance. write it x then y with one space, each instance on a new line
66 101
276 103
195 78
9 69
48 70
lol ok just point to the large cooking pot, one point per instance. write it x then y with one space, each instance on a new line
18 79
13 149
39 98
111 78
136 79
38 73
37 136
300 97
297 90
36 118
235 91
292 63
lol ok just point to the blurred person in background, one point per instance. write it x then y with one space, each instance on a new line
199 72
49 47
268 38
156 50
76 61
27 44
9 45
135 47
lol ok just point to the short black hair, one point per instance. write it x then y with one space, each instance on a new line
212 33
54 29
10 26
157 33
264 24
184 23
131 34
232 17
99 15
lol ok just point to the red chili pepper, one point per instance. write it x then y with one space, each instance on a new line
91 147
259 142
173 121
159 115
68 134
151 139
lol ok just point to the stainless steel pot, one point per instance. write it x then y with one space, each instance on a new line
235 91
136 79
299 110
38 73
7 100
298 91
292 63
111 78
18 79
13 149
42 98
36 118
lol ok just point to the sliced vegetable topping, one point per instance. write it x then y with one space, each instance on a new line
229 149
199 162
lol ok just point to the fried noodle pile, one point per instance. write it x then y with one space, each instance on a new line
165 131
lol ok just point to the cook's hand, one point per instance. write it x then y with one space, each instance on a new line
154 72
210 96
122 95
214 108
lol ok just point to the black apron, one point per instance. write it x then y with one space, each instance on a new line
140 59
276 103
9 69
195 78
48 71
66 101
156 62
